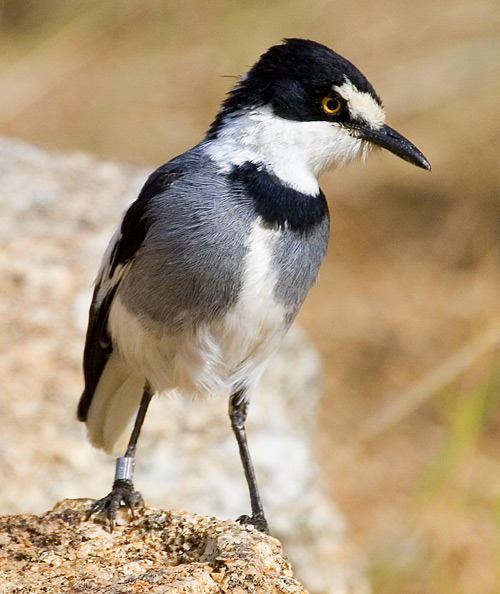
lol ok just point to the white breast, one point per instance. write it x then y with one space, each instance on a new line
215 357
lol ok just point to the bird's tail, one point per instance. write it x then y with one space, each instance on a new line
114 405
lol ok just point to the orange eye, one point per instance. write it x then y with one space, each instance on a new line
331 105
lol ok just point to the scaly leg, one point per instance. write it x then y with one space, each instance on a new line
123 486
238 413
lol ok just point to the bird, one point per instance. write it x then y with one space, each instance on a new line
211 263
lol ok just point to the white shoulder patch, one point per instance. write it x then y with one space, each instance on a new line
103 279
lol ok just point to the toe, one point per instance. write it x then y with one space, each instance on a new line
257 521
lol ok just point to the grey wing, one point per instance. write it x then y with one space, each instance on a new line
116 262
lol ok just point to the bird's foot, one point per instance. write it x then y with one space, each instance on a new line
258 521
122 495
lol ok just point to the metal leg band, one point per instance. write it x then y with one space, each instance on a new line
124 468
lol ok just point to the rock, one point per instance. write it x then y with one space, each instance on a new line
158 551
57 212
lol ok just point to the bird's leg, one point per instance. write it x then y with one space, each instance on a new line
238 413
123 486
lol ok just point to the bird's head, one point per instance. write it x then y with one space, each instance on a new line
302 109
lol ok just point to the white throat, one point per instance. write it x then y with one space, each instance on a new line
296 152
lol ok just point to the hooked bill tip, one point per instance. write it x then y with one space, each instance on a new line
387 138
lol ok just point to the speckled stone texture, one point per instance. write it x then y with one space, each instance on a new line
158 551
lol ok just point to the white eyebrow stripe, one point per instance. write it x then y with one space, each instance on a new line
362 105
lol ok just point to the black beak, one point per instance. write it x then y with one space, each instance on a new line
393 141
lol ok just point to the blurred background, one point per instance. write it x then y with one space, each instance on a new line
406 314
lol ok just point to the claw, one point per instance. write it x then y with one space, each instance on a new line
258 522
122 495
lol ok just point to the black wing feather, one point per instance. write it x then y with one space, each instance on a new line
98 348
133 229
